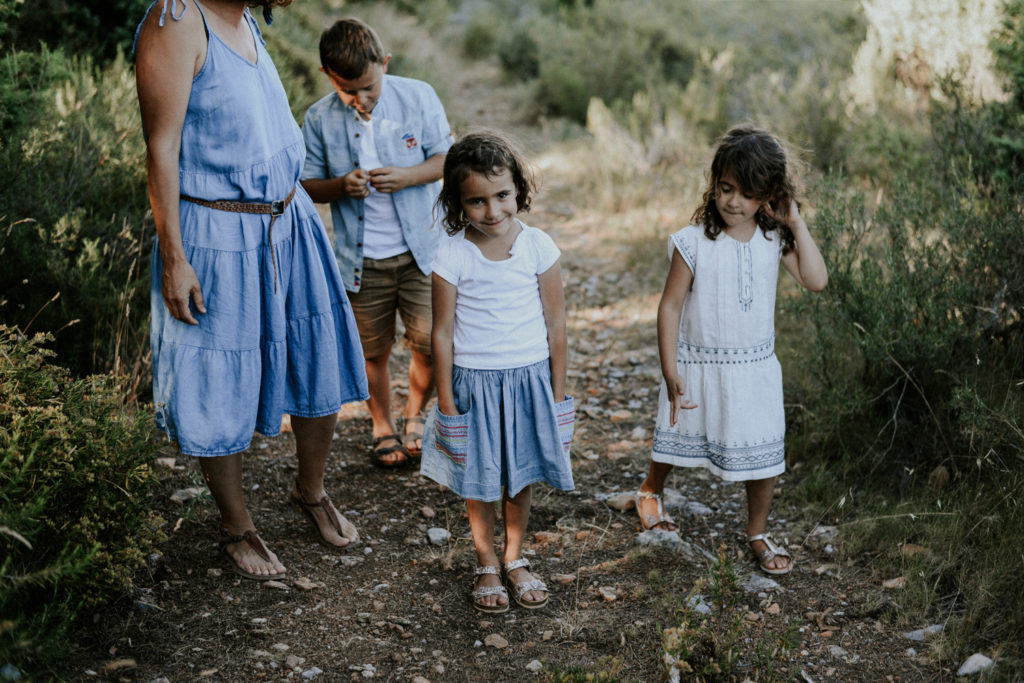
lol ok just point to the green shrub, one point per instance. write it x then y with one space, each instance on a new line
95 28
72 186
74 518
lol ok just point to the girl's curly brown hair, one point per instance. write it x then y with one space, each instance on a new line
489 154
757 161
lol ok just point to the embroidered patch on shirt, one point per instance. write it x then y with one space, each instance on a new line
410 141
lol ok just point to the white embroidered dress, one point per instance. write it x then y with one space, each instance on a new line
726 356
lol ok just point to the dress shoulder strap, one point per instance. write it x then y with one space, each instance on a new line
163 15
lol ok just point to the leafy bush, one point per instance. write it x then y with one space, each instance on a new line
72 186
74 519
95 28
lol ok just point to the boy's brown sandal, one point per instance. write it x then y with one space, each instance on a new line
379 453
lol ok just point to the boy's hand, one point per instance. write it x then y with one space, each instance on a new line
389 179
676 390
354 184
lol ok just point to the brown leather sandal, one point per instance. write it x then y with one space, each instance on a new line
379 453
345 529
256 543
414 432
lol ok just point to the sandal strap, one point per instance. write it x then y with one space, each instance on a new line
651 521
486 569
772 548
485 591
517 564
396 437
525 587
250 537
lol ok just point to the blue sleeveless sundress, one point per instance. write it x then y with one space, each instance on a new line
278 336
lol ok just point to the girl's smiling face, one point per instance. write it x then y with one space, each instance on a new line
736 206
489 202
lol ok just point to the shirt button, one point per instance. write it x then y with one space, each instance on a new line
360 218
356 164
359 244
357 134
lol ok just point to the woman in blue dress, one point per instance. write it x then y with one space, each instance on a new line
249 315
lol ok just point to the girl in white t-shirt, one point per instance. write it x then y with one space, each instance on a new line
502 419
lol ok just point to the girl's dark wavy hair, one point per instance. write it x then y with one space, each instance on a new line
489 154
758 162
268 6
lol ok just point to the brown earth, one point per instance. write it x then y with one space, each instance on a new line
395 607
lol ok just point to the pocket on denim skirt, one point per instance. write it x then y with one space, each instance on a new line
451 435
565 413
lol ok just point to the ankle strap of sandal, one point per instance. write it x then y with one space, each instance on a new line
517 564
486 569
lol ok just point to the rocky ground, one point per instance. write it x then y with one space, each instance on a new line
396 607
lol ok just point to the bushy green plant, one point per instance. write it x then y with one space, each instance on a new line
95 28
72 188
74 518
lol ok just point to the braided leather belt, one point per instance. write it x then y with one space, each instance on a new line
275 209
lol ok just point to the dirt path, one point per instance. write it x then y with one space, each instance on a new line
395 607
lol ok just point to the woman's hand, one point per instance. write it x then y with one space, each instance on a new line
180 287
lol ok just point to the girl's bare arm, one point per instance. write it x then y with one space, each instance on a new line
552 298
804 262
442 337
677 286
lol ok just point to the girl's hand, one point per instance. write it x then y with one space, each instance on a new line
179 287
450 410
676 390
789 214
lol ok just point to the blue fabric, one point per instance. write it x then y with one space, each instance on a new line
409 127
263 348
509 433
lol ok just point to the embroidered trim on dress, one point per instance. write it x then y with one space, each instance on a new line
737 458
693 354
745 272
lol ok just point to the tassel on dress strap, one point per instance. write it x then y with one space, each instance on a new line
176 17
163 16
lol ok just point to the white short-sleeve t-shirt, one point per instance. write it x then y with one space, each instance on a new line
499 318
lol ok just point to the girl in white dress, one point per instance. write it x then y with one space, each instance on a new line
502 420
720 406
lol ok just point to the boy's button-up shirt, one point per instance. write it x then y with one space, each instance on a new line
410 127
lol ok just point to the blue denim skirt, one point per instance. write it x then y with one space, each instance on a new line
509 433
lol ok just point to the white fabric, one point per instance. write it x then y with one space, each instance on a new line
726 356
382 234
499 319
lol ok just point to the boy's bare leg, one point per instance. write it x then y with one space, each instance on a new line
313 437
759 504
421 388
378 379
657 472
481 524
223 475
517 515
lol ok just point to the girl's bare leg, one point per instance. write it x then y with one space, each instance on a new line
223 475
481 524
517 515
759 504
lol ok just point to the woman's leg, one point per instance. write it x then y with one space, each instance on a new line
223 475
759 504
517 515
481 524
647 507
313 437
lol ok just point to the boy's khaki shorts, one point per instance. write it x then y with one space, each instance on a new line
392 285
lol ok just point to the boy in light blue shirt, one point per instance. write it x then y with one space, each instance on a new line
375 150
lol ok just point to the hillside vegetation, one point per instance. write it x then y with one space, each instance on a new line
905 378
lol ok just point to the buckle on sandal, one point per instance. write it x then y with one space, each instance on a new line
277 208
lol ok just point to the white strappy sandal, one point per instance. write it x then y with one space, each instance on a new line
487 591
653 521
771 552
524 587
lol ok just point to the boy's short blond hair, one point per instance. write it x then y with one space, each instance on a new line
349 47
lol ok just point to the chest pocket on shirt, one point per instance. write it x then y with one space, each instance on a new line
399 144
